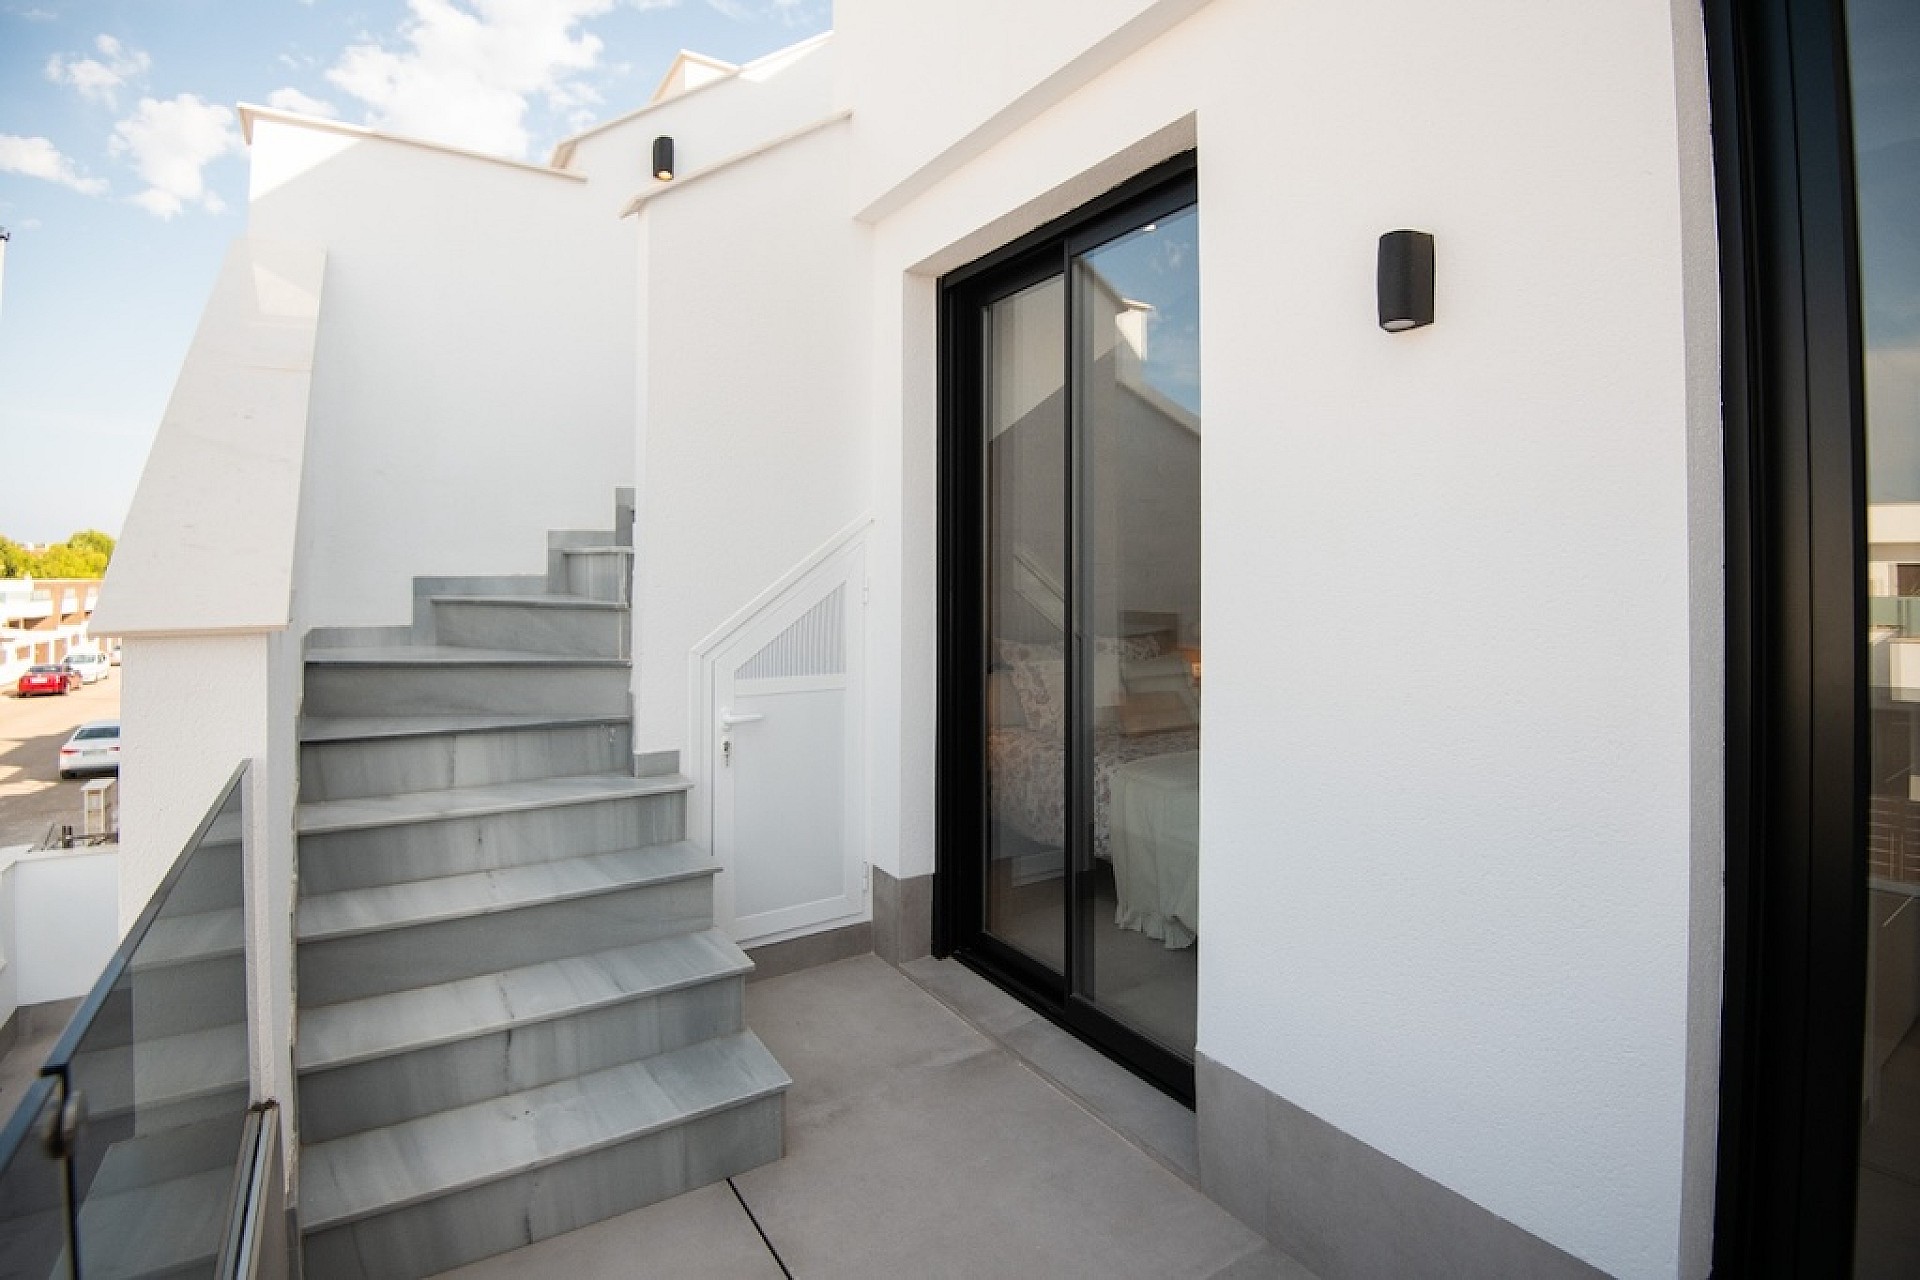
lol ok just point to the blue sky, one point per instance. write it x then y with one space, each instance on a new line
123 175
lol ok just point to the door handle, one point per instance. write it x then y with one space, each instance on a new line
728 719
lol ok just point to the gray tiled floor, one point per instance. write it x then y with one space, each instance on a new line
917 1146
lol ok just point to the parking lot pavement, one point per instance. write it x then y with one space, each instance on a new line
32 796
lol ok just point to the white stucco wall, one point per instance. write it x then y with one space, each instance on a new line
473 382
755 431
710 123
921 78
194 707
1446 911
60 911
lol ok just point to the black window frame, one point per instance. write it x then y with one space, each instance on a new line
960 792
1797 724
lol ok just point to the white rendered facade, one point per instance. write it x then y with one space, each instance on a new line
1462 885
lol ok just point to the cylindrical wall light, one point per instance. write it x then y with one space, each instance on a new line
1405 280
663 158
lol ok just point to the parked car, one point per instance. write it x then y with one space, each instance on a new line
93 748
49 677
91 666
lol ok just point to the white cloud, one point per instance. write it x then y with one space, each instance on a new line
39 158
790 12
170 144
97 80
293 100
467 69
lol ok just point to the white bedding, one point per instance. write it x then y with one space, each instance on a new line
1154 825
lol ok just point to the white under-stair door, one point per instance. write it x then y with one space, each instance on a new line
786 760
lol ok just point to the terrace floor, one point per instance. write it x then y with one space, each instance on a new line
935 1128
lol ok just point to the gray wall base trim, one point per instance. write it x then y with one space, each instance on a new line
795 954
1342 1207
902 917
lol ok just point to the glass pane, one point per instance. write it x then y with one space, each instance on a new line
163 1069
1137 316
1025 570
33 1221
1884 39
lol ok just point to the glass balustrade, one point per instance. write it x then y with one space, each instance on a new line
151 1078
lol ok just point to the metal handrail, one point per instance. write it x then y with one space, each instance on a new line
255 1223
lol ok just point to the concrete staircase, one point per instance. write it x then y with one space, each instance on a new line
515 1015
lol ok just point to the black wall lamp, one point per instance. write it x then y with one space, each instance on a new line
1405 280
663 158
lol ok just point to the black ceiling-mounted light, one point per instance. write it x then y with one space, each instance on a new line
1405 280
663 158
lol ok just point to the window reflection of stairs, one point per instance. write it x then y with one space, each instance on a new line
515 1015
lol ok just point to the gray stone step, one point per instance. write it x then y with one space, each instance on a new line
164 1082
163 1071
557 624
385 1059
211 880
372 941
348 757
189 974
455 1186
375 840
157 1203
602 573
428 679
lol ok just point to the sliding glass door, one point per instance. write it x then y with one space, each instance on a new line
1072 636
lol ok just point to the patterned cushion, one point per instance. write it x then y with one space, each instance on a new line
1041 688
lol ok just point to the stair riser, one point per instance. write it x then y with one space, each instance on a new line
500 1216
347 968
211 882
389 1090
213 1107
559 629
424 689
189 996
429 762
598 575
340 860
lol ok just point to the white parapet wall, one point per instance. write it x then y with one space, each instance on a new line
58 910
473 385
200 591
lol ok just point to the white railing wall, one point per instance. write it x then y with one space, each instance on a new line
200 590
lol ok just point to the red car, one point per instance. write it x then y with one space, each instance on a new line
48 679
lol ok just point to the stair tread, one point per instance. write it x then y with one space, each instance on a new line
379 1026
200 935
552 599
354 728
350 912
384 655
158 1228
315 817
602 550
175 1068
362 1174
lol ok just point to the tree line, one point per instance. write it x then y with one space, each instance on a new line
84 555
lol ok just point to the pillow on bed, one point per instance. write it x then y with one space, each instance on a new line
1003 702
1165 675
1155 713
1129 648
1041 689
